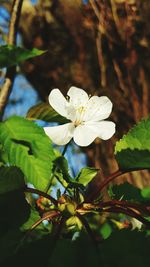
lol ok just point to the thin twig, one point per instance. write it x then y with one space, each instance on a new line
57 234
48 216
130 213
122 203
106 181
99 188
41 193
10 73
95 8
88 229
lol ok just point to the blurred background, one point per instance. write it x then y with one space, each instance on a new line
102 46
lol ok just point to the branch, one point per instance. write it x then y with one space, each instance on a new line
125 204
10 73
41 193
99 188
106 181
129 212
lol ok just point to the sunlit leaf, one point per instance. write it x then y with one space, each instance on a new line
133 150
145 192
12 55
86 175
29 149
46 113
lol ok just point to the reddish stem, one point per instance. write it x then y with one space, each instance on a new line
41 193
126 204
107 180
130 213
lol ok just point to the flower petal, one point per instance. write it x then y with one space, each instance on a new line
58 102
98 108
85 134
78 97
61 134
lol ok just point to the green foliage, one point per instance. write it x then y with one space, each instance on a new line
28 148
123 248
62 169
145 192
82 179
11 55
127 191
14 210
106 230
86 175
11 178
133 150
45 112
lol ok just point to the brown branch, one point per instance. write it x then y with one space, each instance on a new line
41 193
95 8
10 73
129 212
125 204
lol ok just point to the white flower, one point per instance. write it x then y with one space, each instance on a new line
86 115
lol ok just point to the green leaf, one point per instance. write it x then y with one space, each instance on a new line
125 248
145 192
45 112
29 149
86 175
14 210
34 217
11 178
133 150
127 191
106 230
11 55
62 170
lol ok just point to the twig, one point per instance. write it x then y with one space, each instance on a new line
107 180
41 193
103 184
130 213
48 216
10 73
125 204
88 229
95 9
57 234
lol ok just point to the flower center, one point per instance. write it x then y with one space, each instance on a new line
80 111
